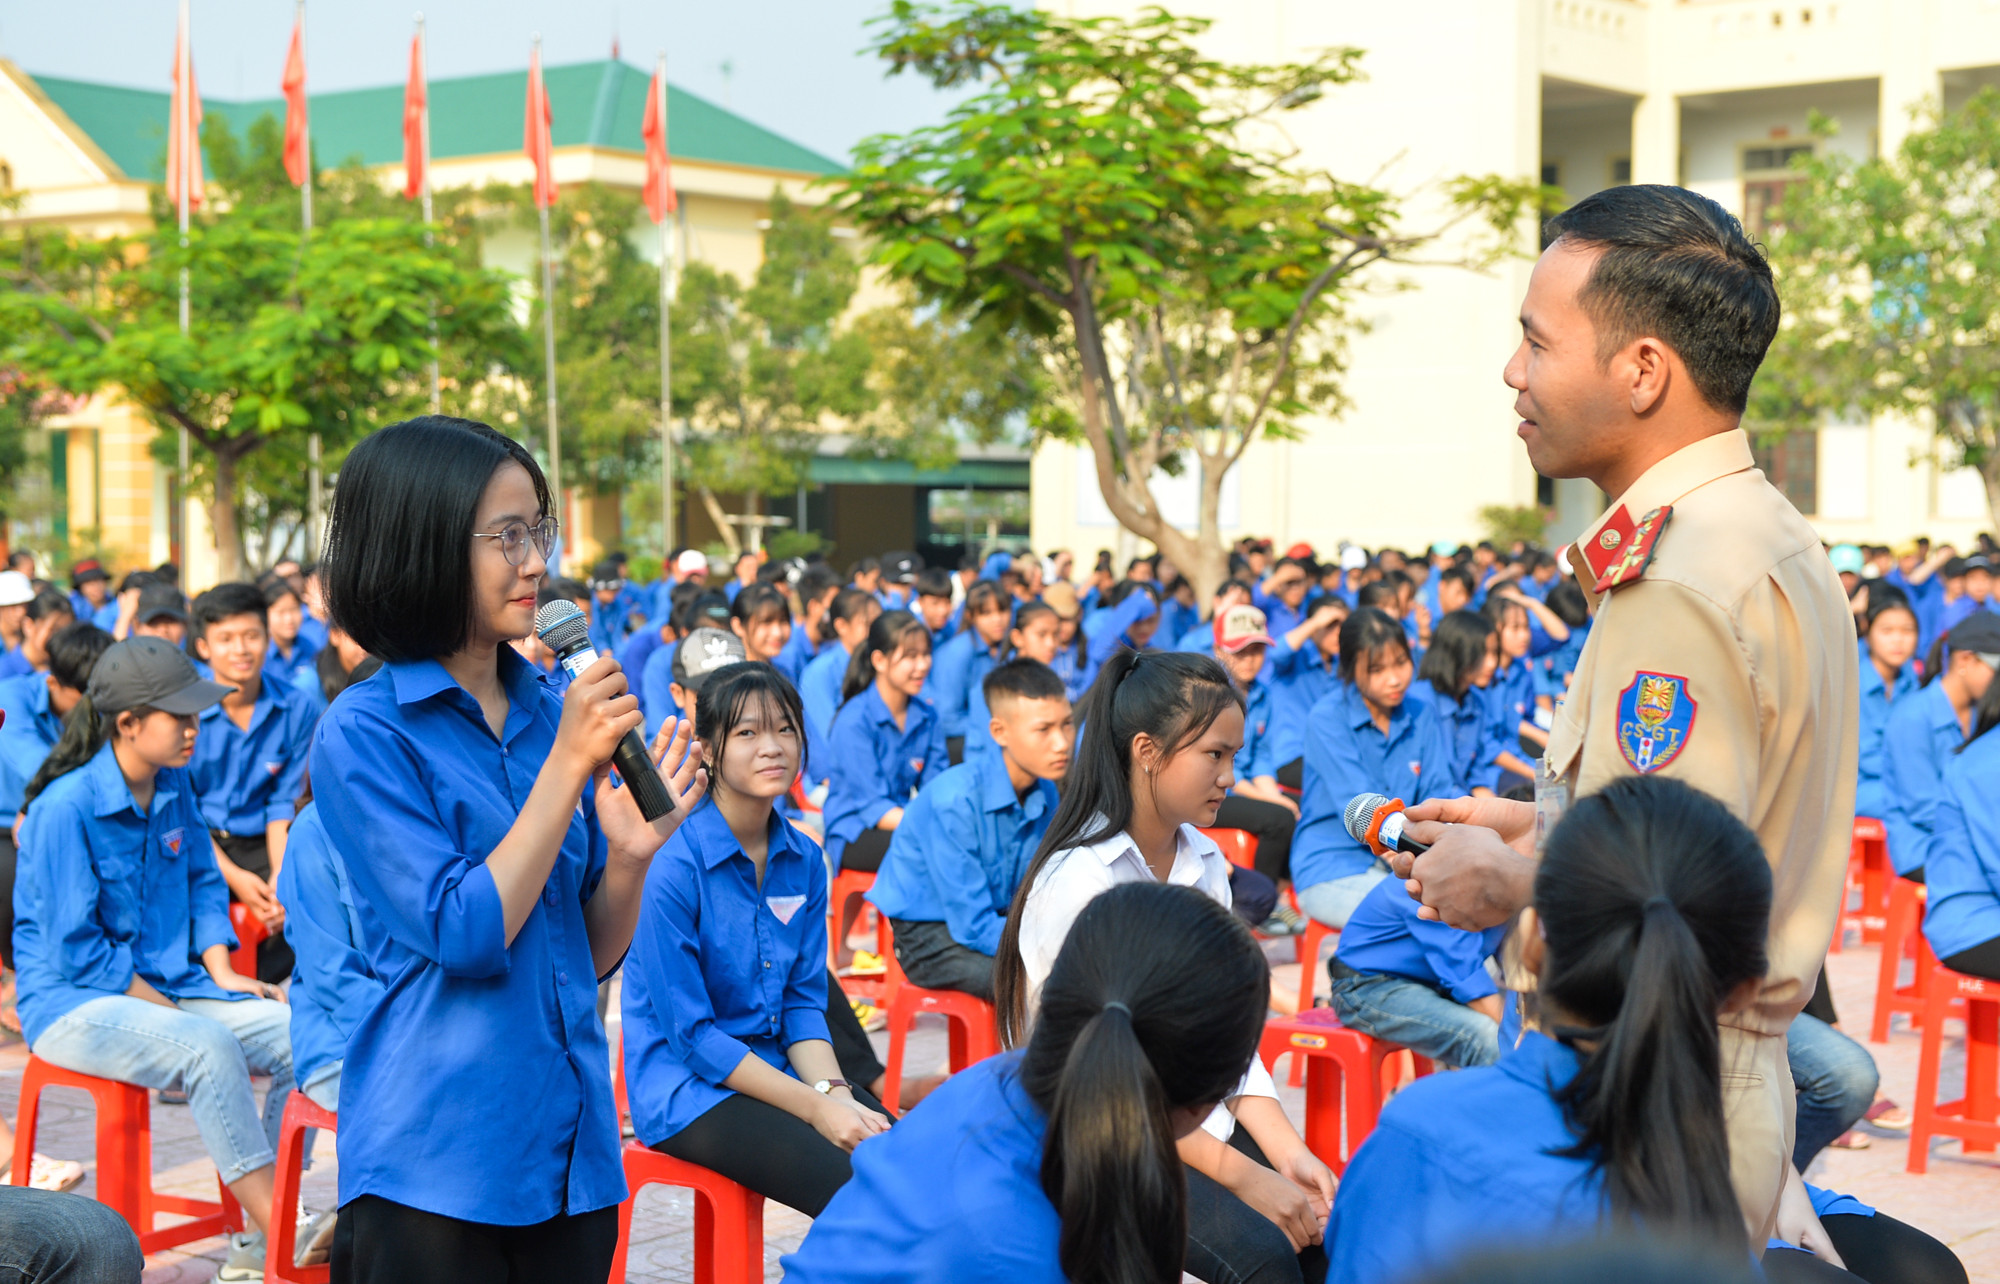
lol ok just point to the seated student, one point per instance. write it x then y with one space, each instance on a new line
286 613
610 620
1510 694
1888 644
1925 729
339 665
848 620
1178 611
1160 734
1363 738
886 742
1200 637
15 594
1962 912
963 845
707 609
815 591
1150 1015
553 588
966 659
866 575
1554 669
249 760
1305 663
1131 619
45 615
1072 660
761 618
1464 653
742 575
1282 595
333 985
729 1063
1034 636
1417 982
1976 577
161 612
121 928
934 605
90 597
1255 803
658 631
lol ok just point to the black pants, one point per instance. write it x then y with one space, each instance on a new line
866 851
1982 959
380 1242
931 959
851 1046
954 749
1230 1242
1878 1249
252 852
773 1152
8 858
1293 774
1251 895
1272 826
1821 1003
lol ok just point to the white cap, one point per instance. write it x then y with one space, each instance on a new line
691 560
15 589
1352 558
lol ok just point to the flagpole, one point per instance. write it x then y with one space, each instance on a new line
549 334
306 188
424 70
184 114
314 500
666 348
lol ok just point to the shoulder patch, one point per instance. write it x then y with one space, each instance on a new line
1631 549
1655 720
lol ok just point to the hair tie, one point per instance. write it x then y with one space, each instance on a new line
1660 901
1120 1006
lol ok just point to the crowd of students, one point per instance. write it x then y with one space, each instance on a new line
1027 760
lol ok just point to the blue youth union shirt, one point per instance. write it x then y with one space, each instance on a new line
333 986
29 728
876 765
1963 870
720 968
106 892
1345 755
1384 935
479 1087
1879 700
962 849
819 693
248 777
1922 734
952 1192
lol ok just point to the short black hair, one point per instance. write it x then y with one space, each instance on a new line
73 652
757 601
934 581
275 588
1022 679
814 581
50 601
398 563
561 588
224 601
1677 266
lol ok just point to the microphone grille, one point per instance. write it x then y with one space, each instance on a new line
1360 810
561 625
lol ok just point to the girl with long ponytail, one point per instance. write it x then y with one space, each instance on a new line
1151 768
1057 1161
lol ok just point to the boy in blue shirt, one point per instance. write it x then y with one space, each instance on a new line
249 760
1416 982
966 840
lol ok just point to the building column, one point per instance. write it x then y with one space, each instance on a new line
1656 139
1909 70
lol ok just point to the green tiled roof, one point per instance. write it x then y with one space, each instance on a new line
594 103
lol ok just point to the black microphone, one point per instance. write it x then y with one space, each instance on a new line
562 628
1377 823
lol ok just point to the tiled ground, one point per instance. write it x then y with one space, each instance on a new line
1958 1200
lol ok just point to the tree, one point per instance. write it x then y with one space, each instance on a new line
1134 206
1886 267
290 335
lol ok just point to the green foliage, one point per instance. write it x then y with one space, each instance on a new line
1130 207
1886 267
787 543
20 414
291 335
1506 525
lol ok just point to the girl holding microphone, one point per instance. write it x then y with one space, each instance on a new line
496 867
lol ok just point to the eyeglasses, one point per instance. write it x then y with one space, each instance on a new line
514 538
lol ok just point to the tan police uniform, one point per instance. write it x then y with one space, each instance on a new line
1723 654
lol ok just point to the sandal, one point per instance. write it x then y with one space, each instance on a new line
1888 1116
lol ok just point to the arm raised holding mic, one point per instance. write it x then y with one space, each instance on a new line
1479 869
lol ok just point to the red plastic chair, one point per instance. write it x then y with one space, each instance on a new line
850 885
1347 1073
301 1114
124 1159
1867 867
972 1026
1972 1118
1902 937
1239 847
250 933
728 1218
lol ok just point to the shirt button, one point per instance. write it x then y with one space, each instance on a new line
548 896
562 978
767 964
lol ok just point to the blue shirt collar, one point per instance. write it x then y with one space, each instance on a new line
1942 714
714 841
1358 716
415 681
996 787
1541 1062
112 794
268 696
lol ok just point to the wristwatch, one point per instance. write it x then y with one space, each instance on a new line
825 1086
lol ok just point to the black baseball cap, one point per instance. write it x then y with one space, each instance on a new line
901 568
1979 631
156 600
702 652
150 673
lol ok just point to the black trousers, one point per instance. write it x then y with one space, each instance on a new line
1271 824
954 749
773 1152
1982 959
1230 1242
1821 1003
1251 895
1293 774
866 851
1878 1249
931 959
252 852
380 1242
9 856
851 1046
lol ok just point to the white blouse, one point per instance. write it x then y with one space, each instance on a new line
1075 875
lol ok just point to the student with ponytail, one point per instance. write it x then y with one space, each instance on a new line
1924 730
843 628
1153 764
1962 914
1651 907
1057 1162
1463 657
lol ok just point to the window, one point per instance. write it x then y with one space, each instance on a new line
1621 171
1791 463
1768 171
1552 172
1545 491
6 177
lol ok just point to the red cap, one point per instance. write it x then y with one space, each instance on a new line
1300 551
1238 627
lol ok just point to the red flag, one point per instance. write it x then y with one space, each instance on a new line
416 101
535 138
298 147
178 147
660 200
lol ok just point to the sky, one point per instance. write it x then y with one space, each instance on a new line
793 66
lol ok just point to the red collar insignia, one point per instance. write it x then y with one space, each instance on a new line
1619 553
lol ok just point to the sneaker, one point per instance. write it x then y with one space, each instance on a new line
54 1174
871 1017
1275 926
866 963
245 1263
171 1097
1292 918
314 1245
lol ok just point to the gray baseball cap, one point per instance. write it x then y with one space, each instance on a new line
153 673
702 652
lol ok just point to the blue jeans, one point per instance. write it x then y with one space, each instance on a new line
1418 1017
207 1048
1333 901
46 1238
1835 1078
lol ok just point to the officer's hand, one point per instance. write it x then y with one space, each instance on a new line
1513 821
1470 879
